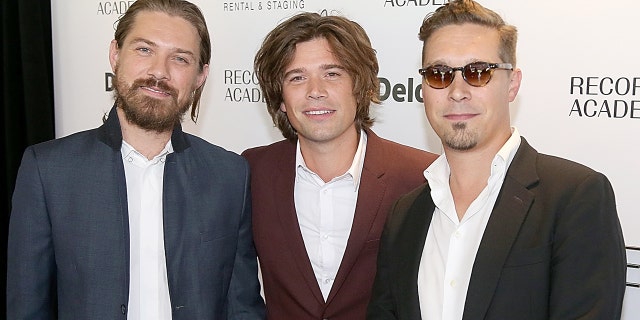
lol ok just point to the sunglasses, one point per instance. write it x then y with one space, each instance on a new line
477 74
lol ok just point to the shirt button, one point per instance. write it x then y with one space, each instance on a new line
457 234
325 236
452 283
123 308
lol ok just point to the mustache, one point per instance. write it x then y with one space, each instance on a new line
154 83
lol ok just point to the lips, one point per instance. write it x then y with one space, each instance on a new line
319 112
460 117
155 86
156 90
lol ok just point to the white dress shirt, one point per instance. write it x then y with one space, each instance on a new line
148 286
451 245
325 214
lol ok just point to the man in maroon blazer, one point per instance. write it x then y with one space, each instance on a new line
321 196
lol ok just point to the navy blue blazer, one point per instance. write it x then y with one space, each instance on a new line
552 249
69 231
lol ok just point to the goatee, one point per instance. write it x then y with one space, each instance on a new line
461 139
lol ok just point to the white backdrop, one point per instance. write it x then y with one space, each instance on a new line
578 100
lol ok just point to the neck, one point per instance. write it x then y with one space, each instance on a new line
332 159
470 171
148 143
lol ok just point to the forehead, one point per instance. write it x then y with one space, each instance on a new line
317 50
461 44
164 29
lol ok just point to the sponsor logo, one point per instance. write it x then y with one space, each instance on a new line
414 3
241 86
235 6
108 81
106 8
604 97
405 91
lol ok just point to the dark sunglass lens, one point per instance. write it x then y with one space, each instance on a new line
438 77
477 74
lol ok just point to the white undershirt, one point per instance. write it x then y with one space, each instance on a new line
451 245
148 288
325 214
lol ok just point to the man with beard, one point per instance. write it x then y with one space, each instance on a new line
137 219
499 231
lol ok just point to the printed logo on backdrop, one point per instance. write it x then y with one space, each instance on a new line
241 86
407 91
413 3
273 5
106 8
609 97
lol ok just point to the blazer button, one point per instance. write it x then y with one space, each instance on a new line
123 308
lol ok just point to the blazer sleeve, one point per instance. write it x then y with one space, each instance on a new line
588 261
30 257
244 298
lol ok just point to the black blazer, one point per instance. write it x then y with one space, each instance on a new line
69 231
552 249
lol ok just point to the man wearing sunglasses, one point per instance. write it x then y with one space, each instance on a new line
499 231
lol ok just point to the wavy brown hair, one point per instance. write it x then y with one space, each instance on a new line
458 12
350 45
177 8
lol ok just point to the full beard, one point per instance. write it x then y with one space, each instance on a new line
146 112
461 138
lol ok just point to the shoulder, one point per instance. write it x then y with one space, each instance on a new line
411 196
557 171
271 152
551 166
548 172
394 151
400 161
211 153
72 145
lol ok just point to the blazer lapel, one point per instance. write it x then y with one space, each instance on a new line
508 214
177 185
370 196
285 180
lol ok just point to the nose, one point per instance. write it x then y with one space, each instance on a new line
459 89
316 88
158 68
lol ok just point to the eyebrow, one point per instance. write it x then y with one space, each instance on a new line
153 44
322 67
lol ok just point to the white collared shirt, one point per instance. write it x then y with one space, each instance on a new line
451 245
148 286
325 214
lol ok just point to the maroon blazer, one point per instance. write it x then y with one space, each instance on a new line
290 286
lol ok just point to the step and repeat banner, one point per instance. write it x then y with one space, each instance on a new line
579 99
